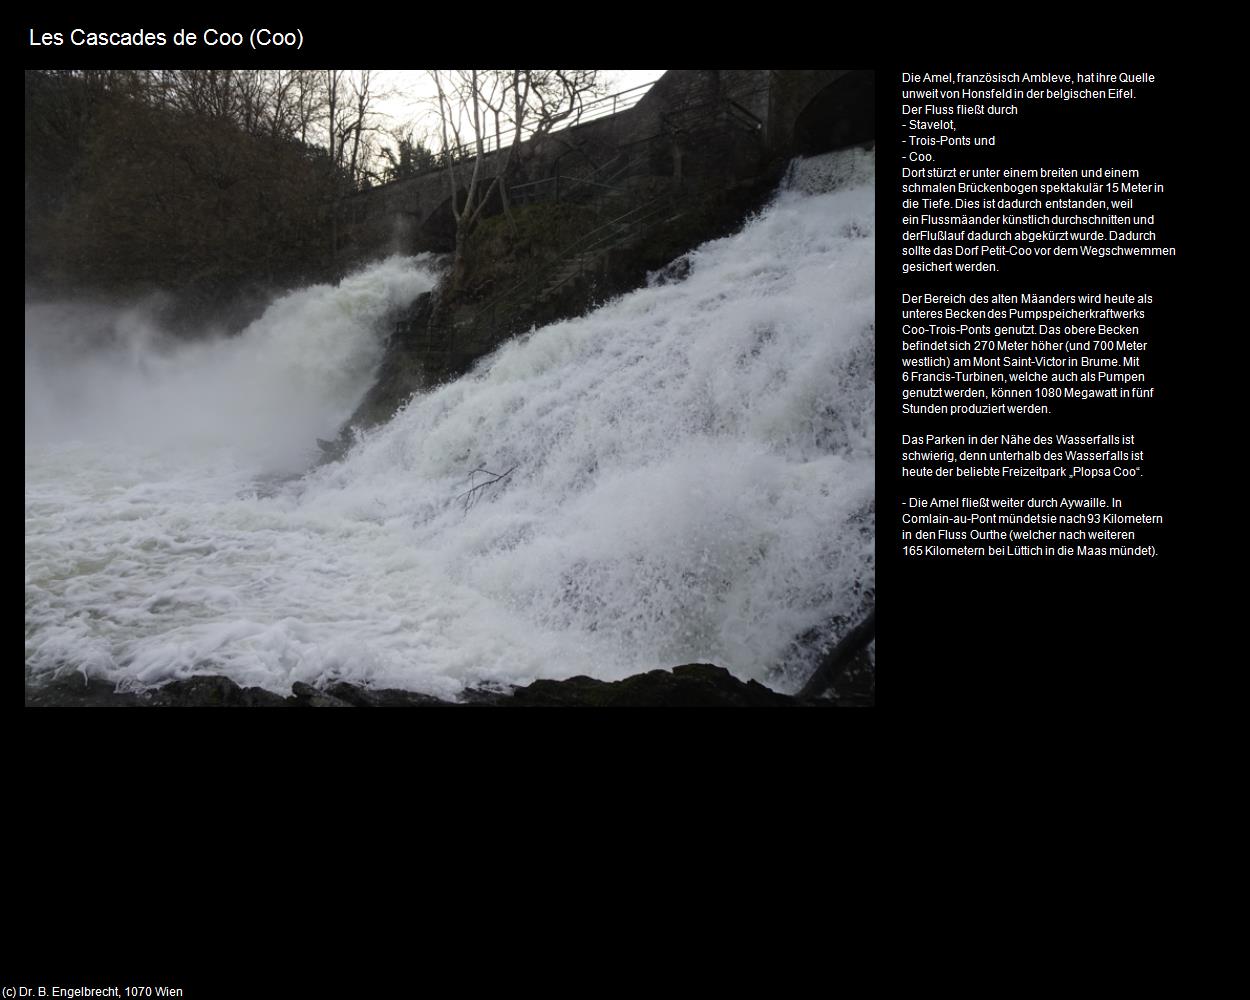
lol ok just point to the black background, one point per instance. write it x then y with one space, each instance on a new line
1053 632
971 634
994 677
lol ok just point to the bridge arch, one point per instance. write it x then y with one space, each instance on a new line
437 230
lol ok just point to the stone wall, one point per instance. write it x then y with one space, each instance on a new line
404 216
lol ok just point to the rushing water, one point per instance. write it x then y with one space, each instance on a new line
691 478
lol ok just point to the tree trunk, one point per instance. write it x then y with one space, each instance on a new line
458 265
840 656
503 199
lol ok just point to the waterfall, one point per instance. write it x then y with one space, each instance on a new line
690 478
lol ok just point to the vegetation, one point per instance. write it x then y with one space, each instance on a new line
209 182
492 112
501 251
408 159
197 181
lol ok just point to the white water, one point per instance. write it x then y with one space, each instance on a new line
693 479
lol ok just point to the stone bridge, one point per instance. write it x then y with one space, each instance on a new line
694 126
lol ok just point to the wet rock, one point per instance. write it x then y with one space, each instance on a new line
196 692
79 692
670 274
693 685
856 684
401 373
385 698
308 696
212 692
846 669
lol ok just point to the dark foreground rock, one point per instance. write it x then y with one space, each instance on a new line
694 685
75 692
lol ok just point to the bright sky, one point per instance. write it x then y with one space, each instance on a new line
413 89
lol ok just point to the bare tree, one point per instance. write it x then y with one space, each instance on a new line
309 103
333 103
366 129
556 96
410 156
461 102
352 125
493 112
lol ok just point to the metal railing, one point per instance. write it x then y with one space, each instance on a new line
692 117
557 272
559 186
630 225
630 159
601 107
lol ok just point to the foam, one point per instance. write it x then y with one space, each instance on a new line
694 479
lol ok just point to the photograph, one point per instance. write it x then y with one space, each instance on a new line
429 388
